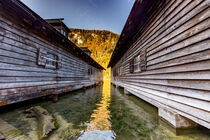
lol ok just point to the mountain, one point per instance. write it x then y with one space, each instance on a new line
100 42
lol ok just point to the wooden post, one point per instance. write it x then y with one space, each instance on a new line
126 91
175 119
55 97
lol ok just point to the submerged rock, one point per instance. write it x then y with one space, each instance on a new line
46 122
2 137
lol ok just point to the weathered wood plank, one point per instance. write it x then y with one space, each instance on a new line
197 75
196 57
176 26
156 21
180 99
37 45
191 84
190 67
158 103
161 24
195 48
192 93
183 19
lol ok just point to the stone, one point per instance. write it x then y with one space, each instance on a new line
2 137
46 122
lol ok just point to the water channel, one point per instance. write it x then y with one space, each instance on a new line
100 113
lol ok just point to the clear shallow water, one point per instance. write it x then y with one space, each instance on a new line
103 112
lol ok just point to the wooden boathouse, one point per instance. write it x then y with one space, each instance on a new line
38 60
163 57
59 25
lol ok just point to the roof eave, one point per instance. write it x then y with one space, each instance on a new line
139 15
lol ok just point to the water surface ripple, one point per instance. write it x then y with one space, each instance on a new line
100 113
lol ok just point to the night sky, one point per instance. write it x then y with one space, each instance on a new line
85 14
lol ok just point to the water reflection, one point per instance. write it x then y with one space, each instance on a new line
99 113
100 126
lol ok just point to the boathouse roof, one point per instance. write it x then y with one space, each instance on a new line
57 22
86 50
19 13
135 25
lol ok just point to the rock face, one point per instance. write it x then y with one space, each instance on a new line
46 122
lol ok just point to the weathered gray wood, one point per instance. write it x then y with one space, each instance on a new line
181 99
20 76
184 17
191 93
163 20
201 75
195 48
170 28
38 43
178 61
194 40
184 108
196 57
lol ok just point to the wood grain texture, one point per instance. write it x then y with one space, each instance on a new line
177 44
21 78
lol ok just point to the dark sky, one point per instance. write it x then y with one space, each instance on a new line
85 14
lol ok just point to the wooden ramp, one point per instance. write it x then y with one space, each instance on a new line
10 132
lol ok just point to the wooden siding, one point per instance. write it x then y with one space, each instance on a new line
20 76
177 44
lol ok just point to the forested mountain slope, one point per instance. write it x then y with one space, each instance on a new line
100 42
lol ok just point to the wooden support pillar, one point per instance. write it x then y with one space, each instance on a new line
126 91
55 97
175 119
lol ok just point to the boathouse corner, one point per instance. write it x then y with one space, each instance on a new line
163 57
36 57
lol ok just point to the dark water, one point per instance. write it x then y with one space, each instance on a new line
99 113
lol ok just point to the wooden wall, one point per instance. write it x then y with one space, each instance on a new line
20 76
177 44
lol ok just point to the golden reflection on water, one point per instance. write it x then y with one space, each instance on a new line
100 126
100 117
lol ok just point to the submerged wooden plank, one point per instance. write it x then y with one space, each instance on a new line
10 132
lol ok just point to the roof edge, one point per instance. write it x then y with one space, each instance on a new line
141 11
23 13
